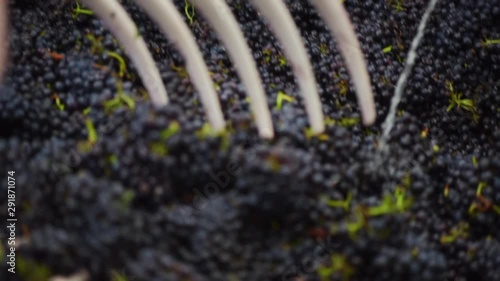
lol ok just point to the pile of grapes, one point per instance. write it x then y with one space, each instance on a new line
110 188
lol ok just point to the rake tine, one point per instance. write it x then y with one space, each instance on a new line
4 42
334 14
121 25
281 22
165 14
222 20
